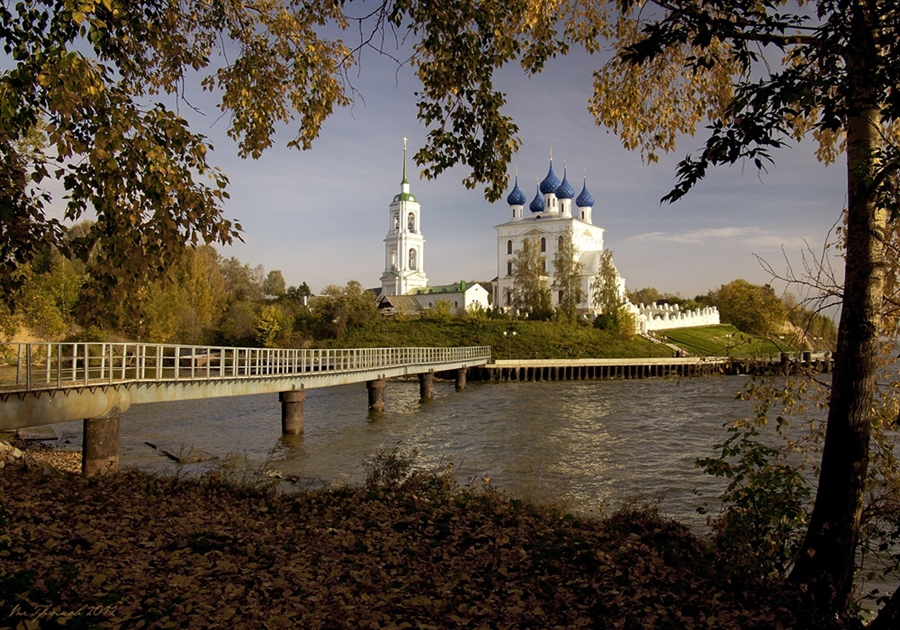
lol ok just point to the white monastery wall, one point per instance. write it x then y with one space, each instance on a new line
669 316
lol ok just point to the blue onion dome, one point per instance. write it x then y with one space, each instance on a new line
537 204
585 200
516 197
565 190
551 182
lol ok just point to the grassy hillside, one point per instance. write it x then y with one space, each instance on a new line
551 340
722 340
532 340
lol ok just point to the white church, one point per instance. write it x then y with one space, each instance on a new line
554 211
404 285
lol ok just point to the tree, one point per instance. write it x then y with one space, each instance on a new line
608 298
647 296
567 277
340 307
751 308
186 305
761 75
530 296
97 74
273 326
836 80
241 282
274 284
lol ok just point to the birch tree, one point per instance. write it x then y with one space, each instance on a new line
567 277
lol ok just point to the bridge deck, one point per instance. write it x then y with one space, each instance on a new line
52 383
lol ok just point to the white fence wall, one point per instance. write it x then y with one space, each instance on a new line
668 316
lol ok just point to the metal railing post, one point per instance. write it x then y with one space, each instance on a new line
28 367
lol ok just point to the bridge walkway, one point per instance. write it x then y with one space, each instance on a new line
47 383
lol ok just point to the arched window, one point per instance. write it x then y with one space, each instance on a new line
509 247
411 222
396 222
543 265
514 213
394 258
509 268
543 244
559 242
412 259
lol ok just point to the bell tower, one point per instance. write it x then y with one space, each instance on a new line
404 245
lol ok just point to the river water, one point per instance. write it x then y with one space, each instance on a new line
591 445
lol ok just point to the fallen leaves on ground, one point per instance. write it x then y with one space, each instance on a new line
138 551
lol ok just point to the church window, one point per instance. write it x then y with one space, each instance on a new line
509 268
394 258
513 214
543 265
396 222
412 259
509 247
583 214
559 242
411 222
543 244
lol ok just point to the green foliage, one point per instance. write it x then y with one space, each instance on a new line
442 311
753 309
271 325
567 278
274 284
238 326
606 292
533 339
339 308
186 305
646 296
98 75
765 505
530 295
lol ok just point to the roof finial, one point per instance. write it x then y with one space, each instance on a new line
405 181
551 154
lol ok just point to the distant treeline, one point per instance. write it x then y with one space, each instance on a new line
205 298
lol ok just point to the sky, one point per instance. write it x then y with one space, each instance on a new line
320 216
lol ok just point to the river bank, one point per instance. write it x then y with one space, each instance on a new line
137 549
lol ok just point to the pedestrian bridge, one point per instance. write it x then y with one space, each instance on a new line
46 383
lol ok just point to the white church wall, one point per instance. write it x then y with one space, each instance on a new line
669 316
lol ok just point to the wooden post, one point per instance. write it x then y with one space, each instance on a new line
376 394
426 385
100 445
292 411
461 379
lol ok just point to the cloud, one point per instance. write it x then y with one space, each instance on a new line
708 235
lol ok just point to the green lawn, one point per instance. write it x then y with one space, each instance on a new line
523 339
722 340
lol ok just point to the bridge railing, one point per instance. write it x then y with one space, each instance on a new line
39 366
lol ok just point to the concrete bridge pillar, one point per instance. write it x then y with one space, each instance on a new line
426 385
100 445
292 411
461 379
376 394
